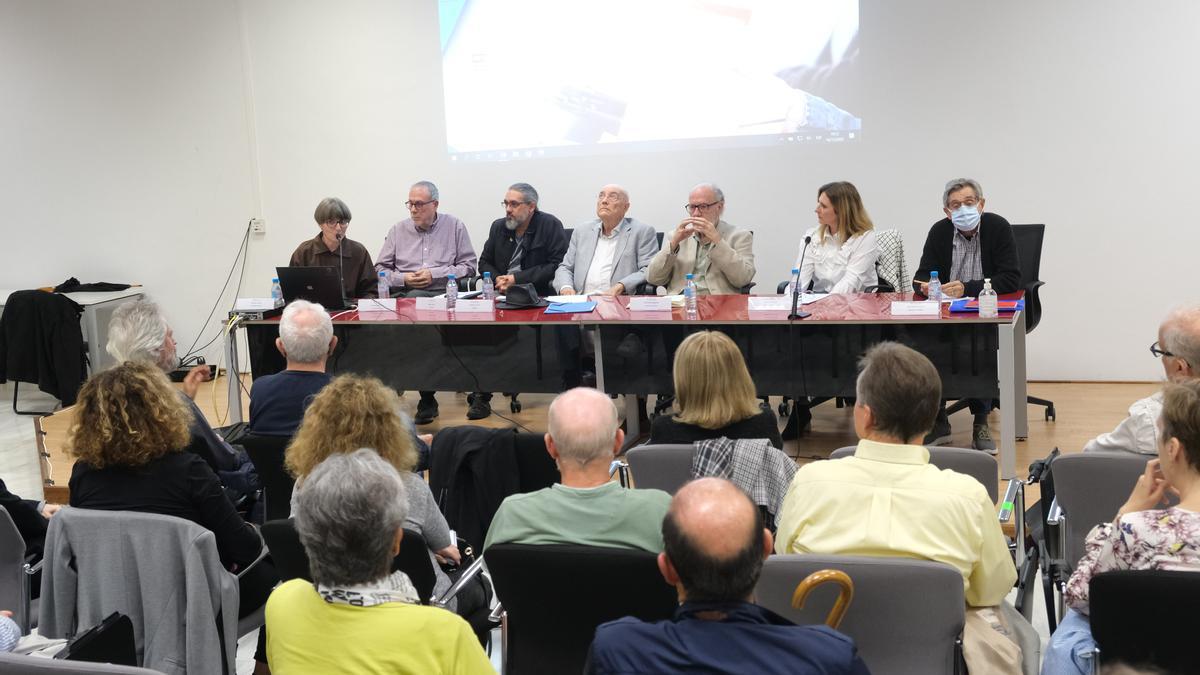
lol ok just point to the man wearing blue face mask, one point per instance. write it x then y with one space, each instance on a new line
964 248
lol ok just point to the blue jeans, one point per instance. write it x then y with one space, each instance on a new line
1070 648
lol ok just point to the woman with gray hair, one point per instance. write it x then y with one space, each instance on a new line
356 615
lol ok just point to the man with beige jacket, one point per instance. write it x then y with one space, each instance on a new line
720 255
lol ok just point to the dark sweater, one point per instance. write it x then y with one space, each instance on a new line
278 402
667 429
545 246
997 252
177 484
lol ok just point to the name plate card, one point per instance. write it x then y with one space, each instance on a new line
769 303
649 303
473 306
918 308
432 303
376 305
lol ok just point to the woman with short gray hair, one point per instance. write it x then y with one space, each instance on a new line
356 615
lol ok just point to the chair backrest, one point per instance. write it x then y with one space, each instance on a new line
978 465
663 467
25 664
535 467
1029 255
906 617
1146 617
291 560
266 453
13 591
891 266
163 572
1090 487
555 596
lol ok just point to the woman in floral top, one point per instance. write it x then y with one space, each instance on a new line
1142 536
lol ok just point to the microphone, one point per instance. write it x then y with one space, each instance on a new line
796 314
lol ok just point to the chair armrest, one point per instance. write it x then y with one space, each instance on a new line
621 467
33 568
782 287
465 578
262 553
497 613
1007 504
1055 515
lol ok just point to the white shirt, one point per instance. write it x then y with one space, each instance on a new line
1136 433
839 268
599 276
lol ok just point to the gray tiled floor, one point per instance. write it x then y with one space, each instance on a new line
18 448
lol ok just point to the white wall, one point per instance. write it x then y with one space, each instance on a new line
146 133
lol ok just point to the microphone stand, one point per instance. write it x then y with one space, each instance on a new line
341 271
796 313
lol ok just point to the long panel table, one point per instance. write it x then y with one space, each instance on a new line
517 350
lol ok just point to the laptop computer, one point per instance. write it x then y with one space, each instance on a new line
315 284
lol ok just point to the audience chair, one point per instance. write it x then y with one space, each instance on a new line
16 573
983 468
1089 487
266 453
291 560
31 321
663 467
554 597
1145 618
907 616
25 664
142 558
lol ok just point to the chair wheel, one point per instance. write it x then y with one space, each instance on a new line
784 409
515 406
470 398
1051 414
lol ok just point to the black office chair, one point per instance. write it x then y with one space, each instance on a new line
1146 617
554 597
266 453
291 561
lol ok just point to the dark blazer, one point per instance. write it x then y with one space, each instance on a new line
545 245
997 251
176 484
25 515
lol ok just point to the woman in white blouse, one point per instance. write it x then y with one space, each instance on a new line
842 251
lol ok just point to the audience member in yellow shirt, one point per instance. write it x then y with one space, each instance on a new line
355 616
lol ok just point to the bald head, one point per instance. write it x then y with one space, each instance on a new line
583 426
714 539
1180 335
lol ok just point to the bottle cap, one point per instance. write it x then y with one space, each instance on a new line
275 280
382 274
690 276
487 275
795 270
933 274
451 276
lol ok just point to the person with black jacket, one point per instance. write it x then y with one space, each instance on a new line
964 248
523 247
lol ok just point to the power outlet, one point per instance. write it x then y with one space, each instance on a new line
258 225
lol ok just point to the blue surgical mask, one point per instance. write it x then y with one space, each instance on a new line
966 218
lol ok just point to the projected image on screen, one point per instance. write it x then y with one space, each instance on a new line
530 78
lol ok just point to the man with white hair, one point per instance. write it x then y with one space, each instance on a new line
586 508
138 332
306 339
718 255
1179 347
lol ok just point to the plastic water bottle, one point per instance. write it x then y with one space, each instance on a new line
276 293
689 298
385 290
489 287
451 292
791 287
935 287
988 308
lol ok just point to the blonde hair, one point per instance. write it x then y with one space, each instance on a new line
852 216
713 389
127 416
349 413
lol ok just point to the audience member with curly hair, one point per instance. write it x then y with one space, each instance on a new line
127 438
354 412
